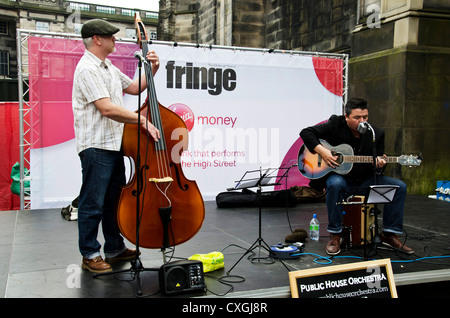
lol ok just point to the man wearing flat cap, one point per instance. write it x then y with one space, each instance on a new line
99 116
98 27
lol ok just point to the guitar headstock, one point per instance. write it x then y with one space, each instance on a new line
410 160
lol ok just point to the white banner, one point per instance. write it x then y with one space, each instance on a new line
244 110
245 114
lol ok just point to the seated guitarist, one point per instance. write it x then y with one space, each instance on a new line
343 129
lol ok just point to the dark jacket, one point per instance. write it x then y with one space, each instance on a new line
335 131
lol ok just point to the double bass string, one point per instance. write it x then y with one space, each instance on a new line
160 146
158 225
162 162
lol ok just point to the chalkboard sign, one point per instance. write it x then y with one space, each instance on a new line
371 279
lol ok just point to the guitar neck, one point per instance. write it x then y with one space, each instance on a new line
367 159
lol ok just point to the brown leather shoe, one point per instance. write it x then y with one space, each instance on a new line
334 244
394 241
96 265
126 255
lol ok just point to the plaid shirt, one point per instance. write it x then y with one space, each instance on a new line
93 80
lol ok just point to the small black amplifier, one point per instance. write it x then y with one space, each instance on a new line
181 276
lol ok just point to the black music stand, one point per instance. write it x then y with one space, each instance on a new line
378 194
262 180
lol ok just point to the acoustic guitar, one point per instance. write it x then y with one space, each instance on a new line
311 165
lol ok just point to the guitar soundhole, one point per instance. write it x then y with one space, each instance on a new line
340 158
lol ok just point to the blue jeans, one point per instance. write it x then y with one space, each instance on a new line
338 188
103 175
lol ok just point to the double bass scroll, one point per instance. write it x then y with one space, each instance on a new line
171 206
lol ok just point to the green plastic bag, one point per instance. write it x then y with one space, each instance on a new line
211 261
15 176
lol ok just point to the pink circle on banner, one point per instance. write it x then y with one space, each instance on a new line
185 113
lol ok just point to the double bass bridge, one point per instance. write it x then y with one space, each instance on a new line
160 180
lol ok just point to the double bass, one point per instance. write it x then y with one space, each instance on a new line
159 207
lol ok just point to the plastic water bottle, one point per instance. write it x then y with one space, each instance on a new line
314 228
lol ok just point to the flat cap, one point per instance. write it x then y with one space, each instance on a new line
97 27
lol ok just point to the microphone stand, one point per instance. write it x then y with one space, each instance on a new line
136 264
376 241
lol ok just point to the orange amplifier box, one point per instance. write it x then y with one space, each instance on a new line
353 220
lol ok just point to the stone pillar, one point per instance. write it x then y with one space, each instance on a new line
400 65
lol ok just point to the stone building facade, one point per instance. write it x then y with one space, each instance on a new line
399 55
56 16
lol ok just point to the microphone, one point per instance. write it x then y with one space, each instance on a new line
363 126
139 56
